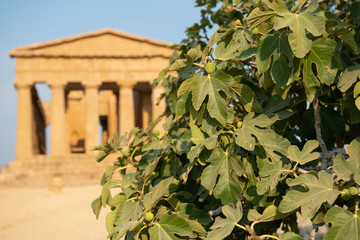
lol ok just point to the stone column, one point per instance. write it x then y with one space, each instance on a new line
126 108
58 137
92 115
158 109
146 109
24 138
112 118
137 108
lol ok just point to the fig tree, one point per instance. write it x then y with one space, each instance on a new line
210 68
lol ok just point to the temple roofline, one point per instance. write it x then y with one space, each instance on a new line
27 51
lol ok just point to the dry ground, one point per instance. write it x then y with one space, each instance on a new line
36 214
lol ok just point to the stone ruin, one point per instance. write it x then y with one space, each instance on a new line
102 78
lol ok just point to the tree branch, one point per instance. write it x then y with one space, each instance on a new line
355 58
215 212
313 232
324 150
317 168
250 63
333 153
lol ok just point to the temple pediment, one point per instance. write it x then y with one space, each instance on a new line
106 43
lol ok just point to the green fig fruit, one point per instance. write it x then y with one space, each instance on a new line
127 153
345 194
210 68
353 191
255 31
149 216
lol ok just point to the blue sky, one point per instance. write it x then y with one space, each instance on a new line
24 22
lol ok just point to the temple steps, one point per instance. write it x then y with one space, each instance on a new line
41 169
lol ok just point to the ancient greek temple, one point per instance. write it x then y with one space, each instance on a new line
98 80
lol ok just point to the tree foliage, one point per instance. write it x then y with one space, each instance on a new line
272 132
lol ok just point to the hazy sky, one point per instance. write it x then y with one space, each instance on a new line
24 22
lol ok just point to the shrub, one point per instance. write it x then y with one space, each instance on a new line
273 131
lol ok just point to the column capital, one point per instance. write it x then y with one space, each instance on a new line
18 84
126 84
91 84
57 84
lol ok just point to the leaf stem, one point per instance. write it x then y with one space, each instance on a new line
253 224
138 233
196 64
122 168
132 154
299 6
130 199
356 207
240 226
298 102
128 159
230 125
268 236
229 131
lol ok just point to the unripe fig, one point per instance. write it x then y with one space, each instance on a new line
345 194
238 22
210 68
255 31
353 191
149 216
323 6
239 124
127 153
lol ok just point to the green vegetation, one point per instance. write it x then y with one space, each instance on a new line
272 131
